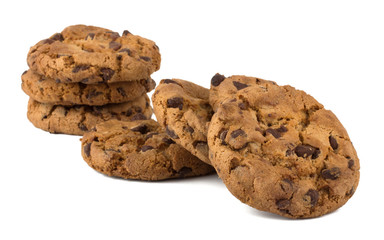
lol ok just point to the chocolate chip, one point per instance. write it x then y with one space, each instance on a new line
351 163
143 129
196 144
282 129
48 41
114 45
121 91
304 150
80 68
176 102
82 127
283 203
273 132
333 142
91 94
217 79
107 74
289 152
84 80
87 149
138 116
168 140
237 133
113 35
150 135
242 106
147 59
167 81
90 35
184 171
126 32
239 85
189 129
286 185
333 173
222 136
146 148
313 195
126 50
171 133
57 37
316 153
128 112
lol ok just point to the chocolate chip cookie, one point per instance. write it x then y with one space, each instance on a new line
183 109
47 90
138 150
278 150
78 119
91 54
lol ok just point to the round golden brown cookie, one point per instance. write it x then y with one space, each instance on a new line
46 90
90 54
138 150
183 109
78 119
278 150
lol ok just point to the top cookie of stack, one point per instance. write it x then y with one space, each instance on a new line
92 66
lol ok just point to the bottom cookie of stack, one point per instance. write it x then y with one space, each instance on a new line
78 119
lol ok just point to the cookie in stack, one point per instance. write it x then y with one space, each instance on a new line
86 75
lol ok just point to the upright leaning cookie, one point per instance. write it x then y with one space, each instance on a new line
138 150
183 109
277 149
91 54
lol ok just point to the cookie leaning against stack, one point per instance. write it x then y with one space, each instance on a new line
86 75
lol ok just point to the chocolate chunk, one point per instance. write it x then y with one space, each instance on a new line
351 163
304 150
147 59
273 132
126 50
333 173
107 74
150 135
48 41
316 153
87 149
90 35
313 195
126 32
237 133
239 85
333 142
184 171
57 37
114 45
282 129
121 91
138 116
143 129
176 102
146 148
283 203
217 79
223 135
82 127
171 133
167 81
168 140
80 68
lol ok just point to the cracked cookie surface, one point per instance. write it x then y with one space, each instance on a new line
91 54
47 90
78 119
183 109
138 150
278 150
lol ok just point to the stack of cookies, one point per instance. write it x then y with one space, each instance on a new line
86 75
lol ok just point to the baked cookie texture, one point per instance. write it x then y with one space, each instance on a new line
183 109
138 150
47 90
278 150
91 54
78 119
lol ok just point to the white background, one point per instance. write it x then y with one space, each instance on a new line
334 50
